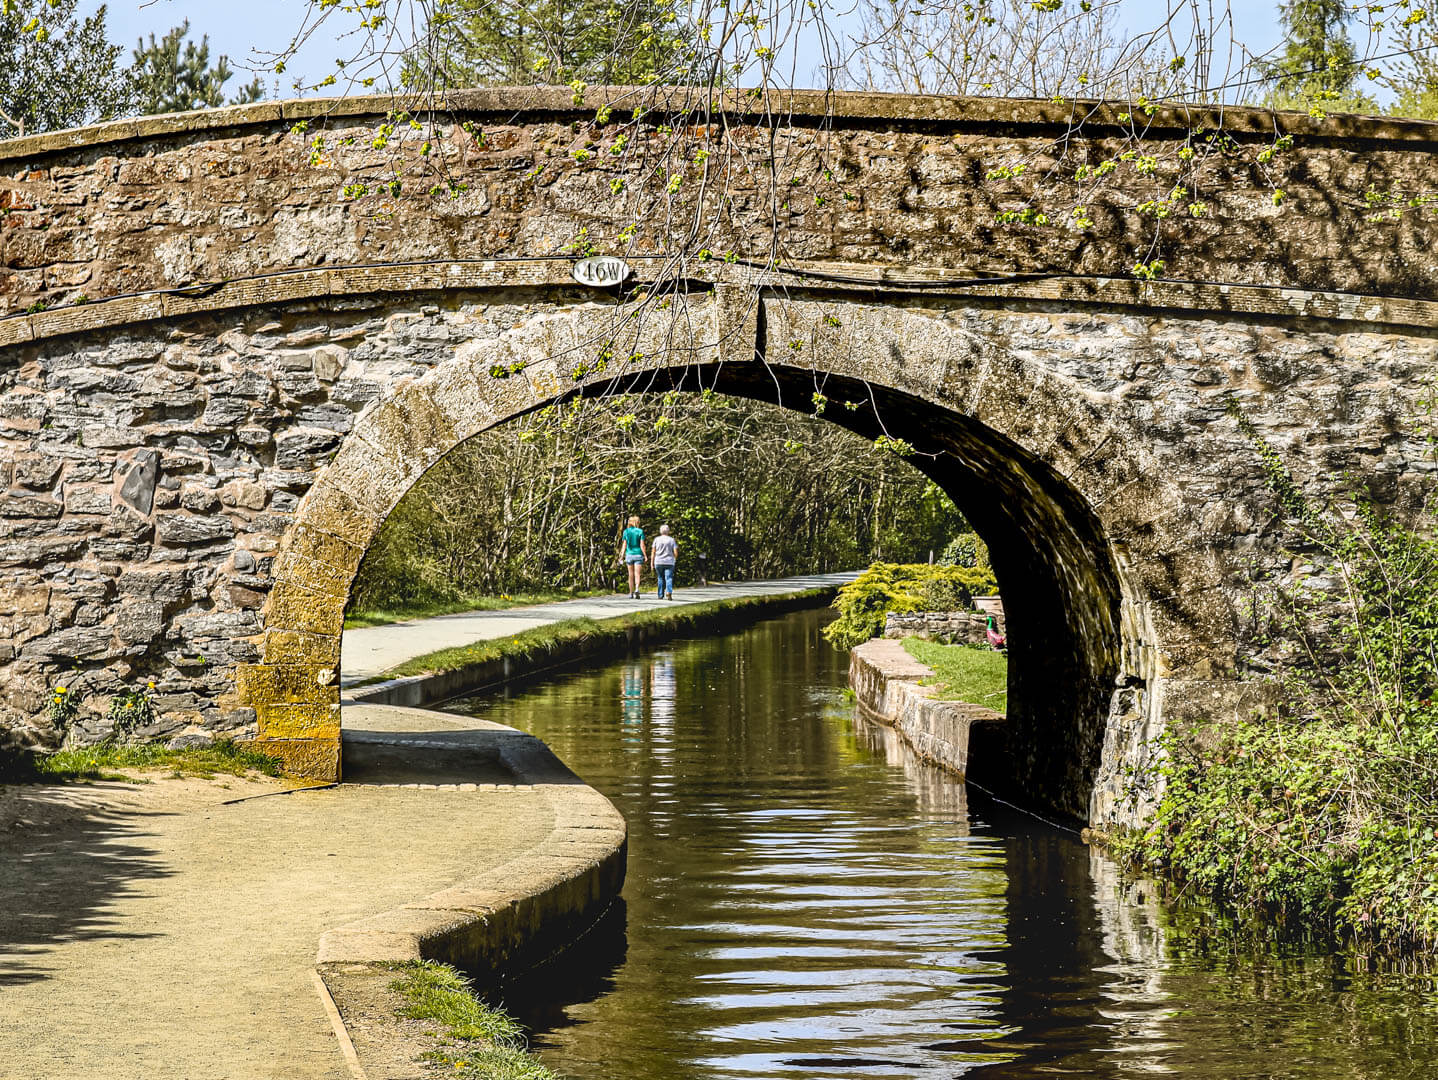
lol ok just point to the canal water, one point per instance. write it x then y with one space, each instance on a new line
806 899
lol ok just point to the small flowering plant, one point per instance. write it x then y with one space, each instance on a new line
62 707
131 709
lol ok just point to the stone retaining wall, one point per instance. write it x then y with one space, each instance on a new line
961 627
885 680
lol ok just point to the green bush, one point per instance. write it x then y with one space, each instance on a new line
1322 810
966 549
902 587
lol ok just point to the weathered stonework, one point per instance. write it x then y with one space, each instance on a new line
192 478
887 687
955 627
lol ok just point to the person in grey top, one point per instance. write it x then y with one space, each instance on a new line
663 554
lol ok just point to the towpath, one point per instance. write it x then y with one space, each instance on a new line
166 930
372 651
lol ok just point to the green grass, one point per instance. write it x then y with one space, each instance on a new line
486 1042
544 639
962 673
98 762
455 606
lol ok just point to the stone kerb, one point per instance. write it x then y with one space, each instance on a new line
885 681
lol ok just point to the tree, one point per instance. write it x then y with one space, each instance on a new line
1413 78
761 490
515 42
166 79
1319 65
56 70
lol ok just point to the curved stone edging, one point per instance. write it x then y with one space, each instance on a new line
885 680
521 910
511 917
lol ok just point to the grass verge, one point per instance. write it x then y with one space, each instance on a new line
97 762
355 620
482 1041
964 673
595 632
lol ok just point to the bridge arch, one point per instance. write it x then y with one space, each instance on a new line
1082 529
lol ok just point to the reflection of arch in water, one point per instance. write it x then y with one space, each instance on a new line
1082 525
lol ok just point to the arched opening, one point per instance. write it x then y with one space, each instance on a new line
1079 529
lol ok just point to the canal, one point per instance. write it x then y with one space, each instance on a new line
806 899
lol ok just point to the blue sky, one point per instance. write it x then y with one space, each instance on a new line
239 28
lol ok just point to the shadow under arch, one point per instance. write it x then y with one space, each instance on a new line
1079 528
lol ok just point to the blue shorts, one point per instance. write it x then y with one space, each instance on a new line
633 557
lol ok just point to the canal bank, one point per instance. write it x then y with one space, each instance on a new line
887 685
170 927
806 898
430 661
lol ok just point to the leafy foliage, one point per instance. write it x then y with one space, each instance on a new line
515 42
535 504
56 69
1319 66
885 587
966 549
168 79
129 711
1323 808
62 708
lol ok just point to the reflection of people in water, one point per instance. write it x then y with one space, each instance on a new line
632 695
662 692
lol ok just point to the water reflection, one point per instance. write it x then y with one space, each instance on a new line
806 898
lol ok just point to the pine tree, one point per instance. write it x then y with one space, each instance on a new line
56 70
167 79
1413 78
516 42
1319 65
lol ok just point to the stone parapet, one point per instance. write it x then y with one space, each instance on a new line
885 680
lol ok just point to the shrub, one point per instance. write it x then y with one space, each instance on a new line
1322 810
900 587
62 708
966 549
130 710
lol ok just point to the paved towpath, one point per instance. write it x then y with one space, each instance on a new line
162 931
374 650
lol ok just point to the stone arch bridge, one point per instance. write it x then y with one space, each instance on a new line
197 451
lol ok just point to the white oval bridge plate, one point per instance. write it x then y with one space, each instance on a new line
601 271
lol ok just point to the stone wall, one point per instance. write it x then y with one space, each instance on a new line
959 627
883 181
885 681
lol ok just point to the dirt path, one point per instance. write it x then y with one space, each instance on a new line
160 931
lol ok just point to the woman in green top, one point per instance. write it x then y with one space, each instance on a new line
632 552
